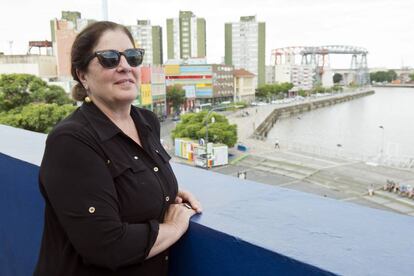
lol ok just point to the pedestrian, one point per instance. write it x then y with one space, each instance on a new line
371 190
112 202
277 144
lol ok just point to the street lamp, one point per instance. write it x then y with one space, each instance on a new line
382 142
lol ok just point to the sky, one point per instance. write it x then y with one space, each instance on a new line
384 27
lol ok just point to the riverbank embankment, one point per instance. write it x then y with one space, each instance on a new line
299 107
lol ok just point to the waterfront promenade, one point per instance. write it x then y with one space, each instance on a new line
326 175
248 125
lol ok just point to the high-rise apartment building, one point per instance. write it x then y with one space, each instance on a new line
245 46
64 32
301 76
186 36
149 38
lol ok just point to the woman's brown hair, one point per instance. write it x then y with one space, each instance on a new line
82 49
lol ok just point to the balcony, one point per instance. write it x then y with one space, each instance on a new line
247 228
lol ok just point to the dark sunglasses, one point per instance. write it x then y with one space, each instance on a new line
111 58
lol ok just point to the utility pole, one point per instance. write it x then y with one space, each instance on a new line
11 46
382 142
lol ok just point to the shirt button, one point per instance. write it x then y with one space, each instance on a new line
135 157
156 151
155 169
167 198
166 258
91 210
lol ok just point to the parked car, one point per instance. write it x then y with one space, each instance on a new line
176 118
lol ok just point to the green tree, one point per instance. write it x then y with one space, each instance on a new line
39 117
285 87
302 93
318 89
176 96
337 88
273 90
51 94
193 126
383 76
263 92
391 75
337 78
17 90
412 77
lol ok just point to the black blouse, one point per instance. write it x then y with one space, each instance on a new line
105 196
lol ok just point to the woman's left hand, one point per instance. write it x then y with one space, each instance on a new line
188 197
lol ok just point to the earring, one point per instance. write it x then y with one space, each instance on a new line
86 87
87 99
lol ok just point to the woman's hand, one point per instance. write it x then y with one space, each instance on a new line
187 197
176 221
178 216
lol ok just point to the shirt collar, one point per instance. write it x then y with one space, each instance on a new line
103 126
137 115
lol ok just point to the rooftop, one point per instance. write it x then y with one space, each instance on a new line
243 73
247 228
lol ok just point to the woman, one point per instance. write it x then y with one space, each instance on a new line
112 202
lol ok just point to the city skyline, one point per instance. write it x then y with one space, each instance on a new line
383 27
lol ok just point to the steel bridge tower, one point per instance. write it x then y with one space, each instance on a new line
318 57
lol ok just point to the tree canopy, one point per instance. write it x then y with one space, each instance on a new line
175 95
17 90
39 117
28 102
383 76
193 126
273 90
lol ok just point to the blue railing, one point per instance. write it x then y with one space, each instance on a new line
247 228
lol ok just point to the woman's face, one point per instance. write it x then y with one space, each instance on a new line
116 86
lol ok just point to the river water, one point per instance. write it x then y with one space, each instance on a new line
379 125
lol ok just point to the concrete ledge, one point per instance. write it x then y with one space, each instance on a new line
247 228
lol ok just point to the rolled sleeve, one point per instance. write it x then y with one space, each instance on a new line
83 195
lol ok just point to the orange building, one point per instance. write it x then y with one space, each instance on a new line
64 32
64 36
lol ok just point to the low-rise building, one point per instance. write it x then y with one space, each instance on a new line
244 86
42 66
152 90
203 83
158 91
